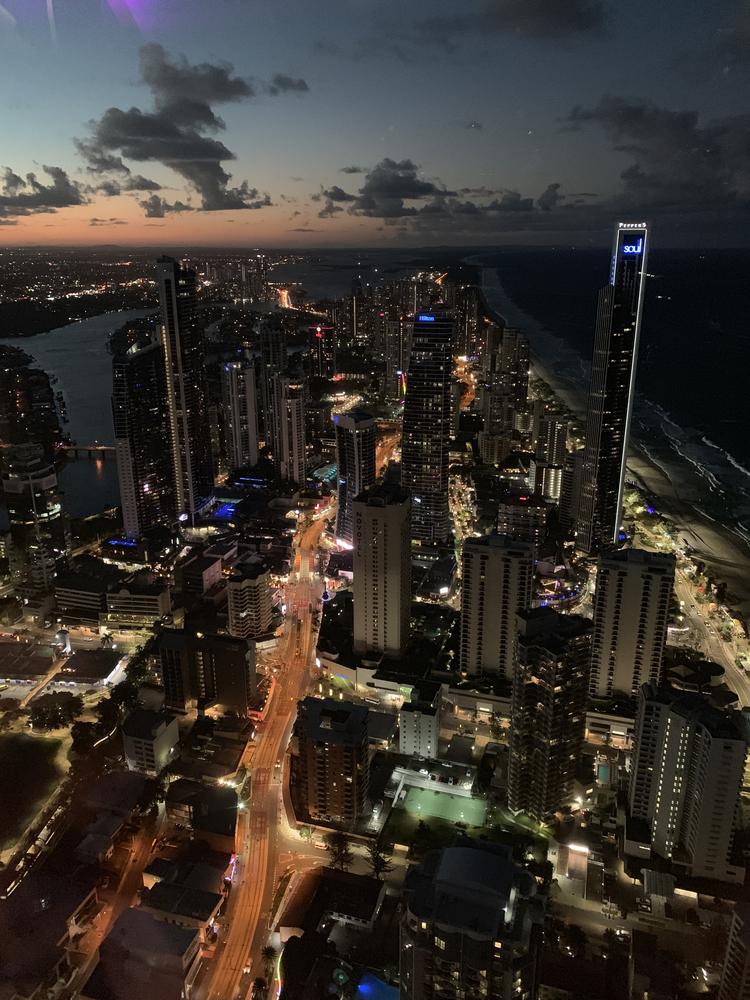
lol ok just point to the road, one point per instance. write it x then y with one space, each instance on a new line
703 634
251 898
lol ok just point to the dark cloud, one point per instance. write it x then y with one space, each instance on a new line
476 21
109 188
387 188
546 19
29 196
549 198
353 170
107 222
678 165
283 84
684 175
156 207
179 131
304 229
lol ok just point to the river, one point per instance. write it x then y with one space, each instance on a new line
77 356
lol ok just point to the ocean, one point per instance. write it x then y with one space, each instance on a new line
689 418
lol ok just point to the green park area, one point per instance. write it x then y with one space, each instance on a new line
28 775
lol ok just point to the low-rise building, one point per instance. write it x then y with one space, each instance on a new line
150 740
136 606
210 811
145 958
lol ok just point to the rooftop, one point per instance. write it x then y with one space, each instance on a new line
144 724
326 720
182 900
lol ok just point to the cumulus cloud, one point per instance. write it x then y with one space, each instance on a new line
283 84
389 186
28 195
179 130
155 207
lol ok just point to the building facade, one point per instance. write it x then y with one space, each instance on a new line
631 614
497 583
355 466
382 570
249 600
289 428
427 426
548 713
139 414
333 762
686 780
239 395
613 368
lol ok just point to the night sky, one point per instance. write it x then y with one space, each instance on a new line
354 122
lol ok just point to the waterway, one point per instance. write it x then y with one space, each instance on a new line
77 356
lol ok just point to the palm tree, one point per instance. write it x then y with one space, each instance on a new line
269 957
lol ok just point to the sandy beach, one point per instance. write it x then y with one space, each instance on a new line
727 554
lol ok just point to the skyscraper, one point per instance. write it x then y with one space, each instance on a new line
548 714
397 342
355 465
382 570
427 426
471 926
323 350
735 976
497 577
139 414
687 774
613 369
631 608
273 362
551 438
240 405
289 428
183 345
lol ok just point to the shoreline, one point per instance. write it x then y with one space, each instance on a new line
725 554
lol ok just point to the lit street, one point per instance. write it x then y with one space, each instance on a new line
259 826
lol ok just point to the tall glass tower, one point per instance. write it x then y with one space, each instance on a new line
618 327
427 426
182 340
139 413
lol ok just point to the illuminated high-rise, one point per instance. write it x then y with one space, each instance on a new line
273 362
427 426
289 428
139 416
613 369
355 465
183 344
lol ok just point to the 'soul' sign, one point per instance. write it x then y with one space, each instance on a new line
633 248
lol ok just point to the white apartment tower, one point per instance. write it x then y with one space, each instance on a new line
382 570
249 602
497 582
631 607
686 780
